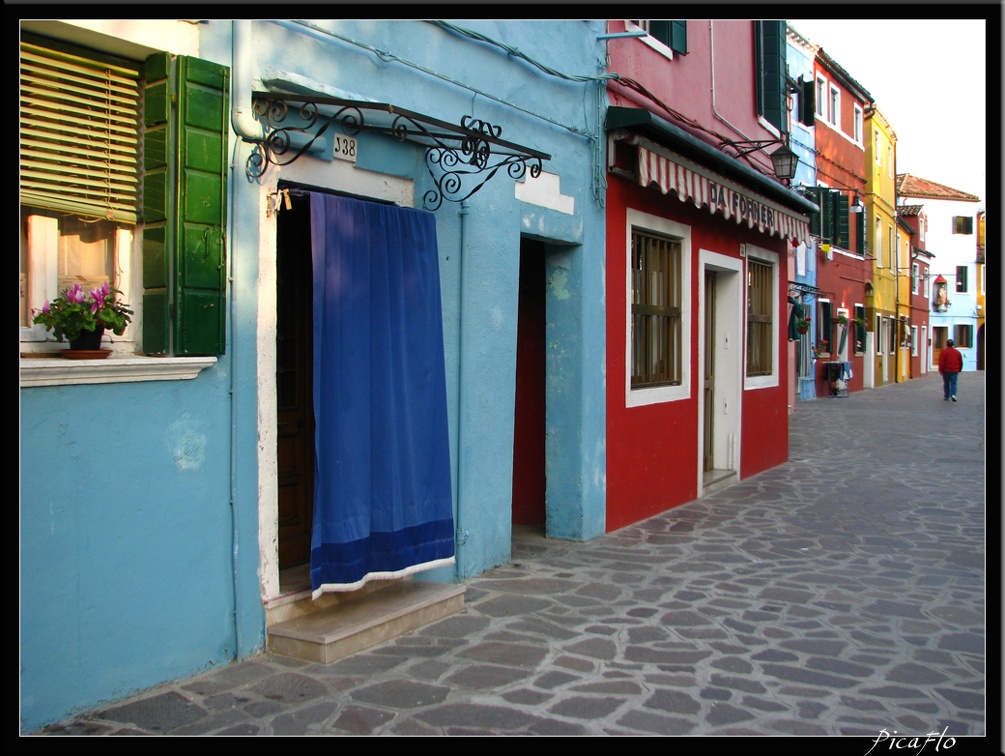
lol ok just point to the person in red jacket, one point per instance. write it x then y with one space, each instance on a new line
950 365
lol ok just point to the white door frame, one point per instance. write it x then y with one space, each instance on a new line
728 377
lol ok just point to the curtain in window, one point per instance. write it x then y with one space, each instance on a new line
382 487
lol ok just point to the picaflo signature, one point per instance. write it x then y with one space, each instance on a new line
915 743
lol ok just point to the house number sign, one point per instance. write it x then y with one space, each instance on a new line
345 148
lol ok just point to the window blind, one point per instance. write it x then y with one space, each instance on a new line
80 134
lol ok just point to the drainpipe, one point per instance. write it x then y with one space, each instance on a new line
711 66
246 127
461 535
241 113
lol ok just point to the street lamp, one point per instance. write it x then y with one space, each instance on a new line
785 161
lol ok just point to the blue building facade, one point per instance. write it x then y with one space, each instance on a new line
154 522
803 290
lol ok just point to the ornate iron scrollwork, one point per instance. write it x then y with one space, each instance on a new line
273 114
460 159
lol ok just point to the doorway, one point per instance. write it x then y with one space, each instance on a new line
294 385
529 480
721 370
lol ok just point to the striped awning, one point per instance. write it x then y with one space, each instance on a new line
673 173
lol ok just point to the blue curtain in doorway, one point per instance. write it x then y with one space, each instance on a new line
382 495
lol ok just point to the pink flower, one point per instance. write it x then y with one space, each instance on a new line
45 307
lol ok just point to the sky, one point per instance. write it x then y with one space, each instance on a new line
929 78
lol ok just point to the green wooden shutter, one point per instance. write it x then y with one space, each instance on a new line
80 137
860 233
808 102
840 219
157 199
185 189
678 37
772 80
200 223
816 224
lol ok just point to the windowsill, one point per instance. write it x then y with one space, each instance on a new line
52 370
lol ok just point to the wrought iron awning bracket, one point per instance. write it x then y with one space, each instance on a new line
459 158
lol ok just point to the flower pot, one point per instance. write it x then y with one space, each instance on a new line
802 329
87 346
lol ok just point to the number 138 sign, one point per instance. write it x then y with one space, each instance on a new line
345 148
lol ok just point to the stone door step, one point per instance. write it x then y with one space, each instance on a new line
330 634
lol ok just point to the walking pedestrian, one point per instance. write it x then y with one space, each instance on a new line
950 365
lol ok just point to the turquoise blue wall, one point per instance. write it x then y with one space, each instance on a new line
432 71
126 540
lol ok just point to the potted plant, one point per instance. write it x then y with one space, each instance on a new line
81 318
842 319
821 349
802 325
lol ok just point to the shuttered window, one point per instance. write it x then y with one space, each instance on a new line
760 329
80 134
656 311
772 80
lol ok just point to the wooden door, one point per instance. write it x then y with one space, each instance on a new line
294 384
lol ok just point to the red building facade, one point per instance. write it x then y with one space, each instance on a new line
844 269
912 219
698 240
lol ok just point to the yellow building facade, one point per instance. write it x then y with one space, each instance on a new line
882 312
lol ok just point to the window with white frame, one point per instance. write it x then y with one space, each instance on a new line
821 98
657 330
891 334
878 330
857 126
825 327
914 341
915 278
762 318
663 35
878 242
96 130
858 327
835 106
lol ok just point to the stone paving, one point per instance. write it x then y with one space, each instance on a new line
842 593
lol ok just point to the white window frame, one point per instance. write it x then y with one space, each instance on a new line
649 39
842 354
765 257
857 126
851 330
914 341
42 240
645 222
834 106
821 103
916 286
878 242
880 334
